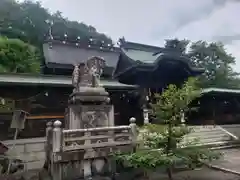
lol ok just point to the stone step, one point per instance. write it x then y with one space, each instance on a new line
211 140
227 146
223 137
208 135
204 127
218 145
197 131
204 136
216 131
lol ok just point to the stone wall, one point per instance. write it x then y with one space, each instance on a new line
30 151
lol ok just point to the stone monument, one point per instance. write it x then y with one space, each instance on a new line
89 102
85 146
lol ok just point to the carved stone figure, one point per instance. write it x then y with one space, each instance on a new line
75 77
92 119
89 119
95 66
88 73
85 78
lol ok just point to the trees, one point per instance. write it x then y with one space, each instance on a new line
18 57
217 63
27 21
180 46
211 56
165 144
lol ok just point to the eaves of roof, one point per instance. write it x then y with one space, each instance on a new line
48 80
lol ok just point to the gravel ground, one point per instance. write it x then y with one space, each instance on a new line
203 174
230 159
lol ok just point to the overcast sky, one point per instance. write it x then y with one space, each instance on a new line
152 21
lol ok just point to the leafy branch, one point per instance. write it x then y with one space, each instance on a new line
164 145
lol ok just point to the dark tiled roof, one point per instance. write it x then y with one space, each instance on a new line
220 90
68 53
65 54
62 54
160 69
138 46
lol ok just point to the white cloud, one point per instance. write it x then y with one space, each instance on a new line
221 23
152 21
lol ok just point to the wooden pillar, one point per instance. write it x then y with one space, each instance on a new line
214 122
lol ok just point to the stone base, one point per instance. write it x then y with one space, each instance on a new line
89 94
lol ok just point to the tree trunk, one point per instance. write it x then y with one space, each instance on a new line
169 148
169 173
146 175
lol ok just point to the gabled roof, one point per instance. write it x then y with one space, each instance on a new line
142 52
150 66
138 46
63 54
60 55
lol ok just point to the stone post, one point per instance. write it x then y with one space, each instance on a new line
146 116
49 128
48 144
49 133
133 129
57 137
87 170
183 118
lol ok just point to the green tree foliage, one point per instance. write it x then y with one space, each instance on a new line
217 63
180 46
27 21
164 145
211 56
18 57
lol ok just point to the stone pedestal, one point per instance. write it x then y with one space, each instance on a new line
89 108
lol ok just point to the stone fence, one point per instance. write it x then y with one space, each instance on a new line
86 151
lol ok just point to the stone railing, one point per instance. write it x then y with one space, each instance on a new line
60 140
89 147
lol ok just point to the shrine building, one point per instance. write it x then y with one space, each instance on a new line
132 72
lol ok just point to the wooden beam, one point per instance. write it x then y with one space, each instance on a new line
44 117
